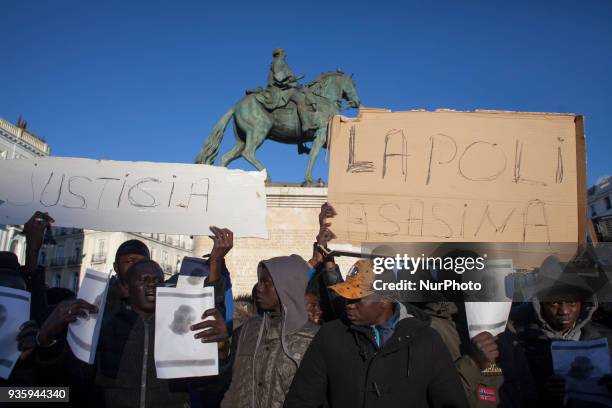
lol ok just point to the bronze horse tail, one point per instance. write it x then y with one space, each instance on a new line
209 151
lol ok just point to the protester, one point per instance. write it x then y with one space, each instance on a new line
124 370
313 303
493 369
24 372
561 310
269 348
324 273
382 355
29 277
33 275
510 386
128 253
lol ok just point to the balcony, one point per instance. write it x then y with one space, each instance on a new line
98 258
58 261
74 260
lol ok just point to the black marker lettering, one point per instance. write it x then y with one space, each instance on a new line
59 191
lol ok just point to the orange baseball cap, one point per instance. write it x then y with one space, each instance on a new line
358 282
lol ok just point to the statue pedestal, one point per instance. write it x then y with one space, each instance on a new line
293 224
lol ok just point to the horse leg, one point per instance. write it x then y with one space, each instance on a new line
235 152
254 139
320 137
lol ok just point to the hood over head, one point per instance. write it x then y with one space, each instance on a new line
290 277
586 313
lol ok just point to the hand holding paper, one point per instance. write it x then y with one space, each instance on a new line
213 330
64 314
84 331
484 349
26 339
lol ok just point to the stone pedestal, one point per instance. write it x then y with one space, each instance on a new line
293 224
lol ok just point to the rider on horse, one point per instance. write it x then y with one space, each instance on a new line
283 87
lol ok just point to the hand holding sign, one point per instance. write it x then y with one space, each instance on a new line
26 339
484 350
213 330
34 229
65 313
223 240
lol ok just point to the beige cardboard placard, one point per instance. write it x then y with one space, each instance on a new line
483 176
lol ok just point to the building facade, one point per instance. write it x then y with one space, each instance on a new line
600 208
17 143
77 250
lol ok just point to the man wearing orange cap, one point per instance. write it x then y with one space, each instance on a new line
384 354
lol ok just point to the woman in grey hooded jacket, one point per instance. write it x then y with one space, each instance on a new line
270 346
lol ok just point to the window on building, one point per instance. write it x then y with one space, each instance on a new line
608 203
75 282
59 252
43 258
593 212
3 154
99 255
57 281
152 254
76 255
165 257
101 246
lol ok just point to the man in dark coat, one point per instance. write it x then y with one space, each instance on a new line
381 355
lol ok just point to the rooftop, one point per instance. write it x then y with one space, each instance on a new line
25 136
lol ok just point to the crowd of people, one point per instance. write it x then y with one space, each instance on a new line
305 337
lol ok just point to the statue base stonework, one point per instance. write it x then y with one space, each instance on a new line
293 224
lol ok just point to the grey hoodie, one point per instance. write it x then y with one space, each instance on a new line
575 333
270 347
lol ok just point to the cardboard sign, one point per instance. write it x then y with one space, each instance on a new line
484 176
134 196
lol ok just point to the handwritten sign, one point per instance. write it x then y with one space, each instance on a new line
484 176
133 196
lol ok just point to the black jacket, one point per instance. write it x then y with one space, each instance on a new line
344 368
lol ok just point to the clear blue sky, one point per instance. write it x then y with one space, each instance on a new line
147 80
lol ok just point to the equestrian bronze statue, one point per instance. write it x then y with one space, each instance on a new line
285 112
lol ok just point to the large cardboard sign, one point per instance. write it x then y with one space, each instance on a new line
108 195
483 176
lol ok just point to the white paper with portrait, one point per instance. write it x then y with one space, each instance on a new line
177 353
83 334
485 316
582 364
14 311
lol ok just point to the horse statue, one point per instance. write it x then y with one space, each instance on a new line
255 121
